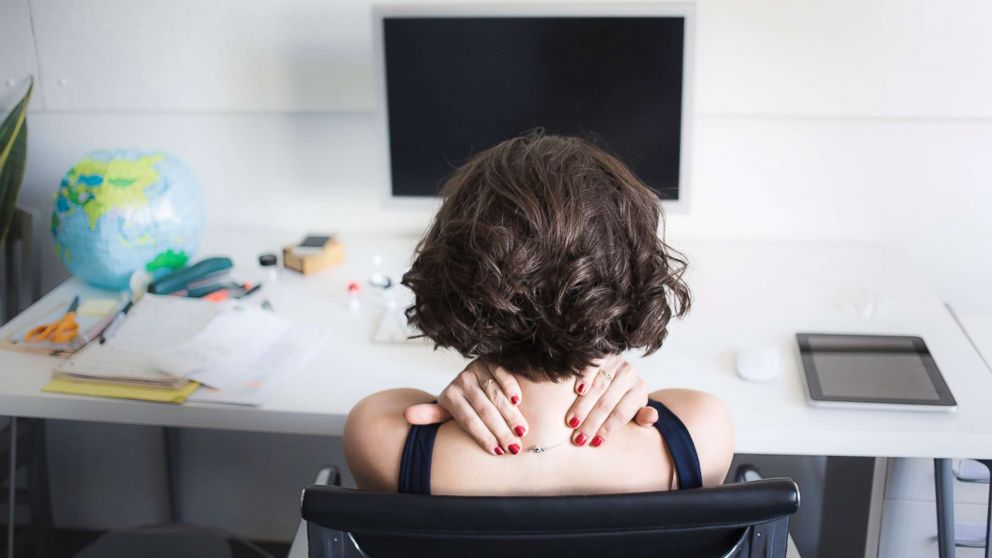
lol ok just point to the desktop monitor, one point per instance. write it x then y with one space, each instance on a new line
455 80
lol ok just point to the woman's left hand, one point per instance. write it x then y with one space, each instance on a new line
611 394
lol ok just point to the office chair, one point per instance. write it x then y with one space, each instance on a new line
739 520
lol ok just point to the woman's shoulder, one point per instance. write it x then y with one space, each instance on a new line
709 423
374 435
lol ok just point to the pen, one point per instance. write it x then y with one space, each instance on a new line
250 290
115 323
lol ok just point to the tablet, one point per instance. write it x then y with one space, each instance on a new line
881 371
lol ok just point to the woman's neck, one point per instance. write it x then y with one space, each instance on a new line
544 405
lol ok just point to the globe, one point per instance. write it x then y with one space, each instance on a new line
120 211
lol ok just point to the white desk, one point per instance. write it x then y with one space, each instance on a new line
745 293
979 330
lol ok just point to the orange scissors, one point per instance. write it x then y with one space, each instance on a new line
64 329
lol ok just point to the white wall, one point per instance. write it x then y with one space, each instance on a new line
867 120
854 120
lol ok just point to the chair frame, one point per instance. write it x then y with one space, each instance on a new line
767 539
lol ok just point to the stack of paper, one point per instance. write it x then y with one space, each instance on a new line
254 382
120 391
241 355
123 366
168 346
234 338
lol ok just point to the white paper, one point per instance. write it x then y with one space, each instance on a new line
158 321
233 339
257 382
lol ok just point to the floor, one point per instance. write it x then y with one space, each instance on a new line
67 542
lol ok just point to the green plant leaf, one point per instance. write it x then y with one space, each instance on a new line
13 154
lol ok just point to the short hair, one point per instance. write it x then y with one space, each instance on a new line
544 256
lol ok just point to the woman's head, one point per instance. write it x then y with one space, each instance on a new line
544 256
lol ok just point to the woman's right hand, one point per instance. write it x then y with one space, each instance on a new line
483 399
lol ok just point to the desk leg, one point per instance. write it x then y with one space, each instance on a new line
988 519
170 437
12 494
944 483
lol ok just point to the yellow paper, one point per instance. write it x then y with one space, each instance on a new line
102 389
98 307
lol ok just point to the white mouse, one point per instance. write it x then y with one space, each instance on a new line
759 364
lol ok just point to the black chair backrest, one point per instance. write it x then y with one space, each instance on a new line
742 519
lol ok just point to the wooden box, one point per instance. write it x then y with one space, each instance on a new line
330 255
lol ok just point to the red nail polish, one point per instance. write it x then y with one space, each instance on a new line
580 440
498 450
515 399
596 441
514 449
519 430
573 422
582 388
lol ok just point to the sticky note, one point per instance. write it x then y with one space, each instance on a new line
98 307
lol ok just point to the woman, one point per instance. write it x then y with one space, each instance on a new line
544 261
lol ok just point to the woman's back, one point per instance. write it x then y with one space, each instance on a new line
633 459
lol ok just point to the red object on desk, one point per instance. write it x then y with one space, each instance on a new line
218 295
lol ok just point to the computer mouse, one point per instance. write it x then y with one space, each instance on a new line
759 364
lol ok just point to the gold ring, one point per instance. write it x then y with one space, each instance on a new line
485 388
606 374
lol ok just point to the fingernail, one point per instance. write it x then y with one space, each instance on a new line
498 450
514 449
573 422
582 388
580 440
596 441
515 399
519 430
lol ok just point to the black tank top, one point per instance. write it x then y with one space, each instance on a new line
415 466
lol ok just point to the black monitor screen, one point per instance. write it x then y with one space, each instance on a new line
457 85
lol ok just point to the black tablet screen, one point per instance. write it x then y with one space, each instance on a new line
891 369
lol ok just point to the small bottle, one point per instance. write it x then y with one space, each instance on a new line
270 267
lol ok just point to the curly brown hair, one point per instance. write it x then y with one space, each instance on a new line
544 256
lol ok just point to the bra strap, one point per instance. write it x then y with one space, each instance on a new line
415 465
680 446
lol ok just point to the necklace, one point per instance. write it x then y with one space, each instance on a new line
539 449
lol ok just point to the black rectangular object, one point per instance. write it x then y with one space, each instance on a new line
458 85
885 369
